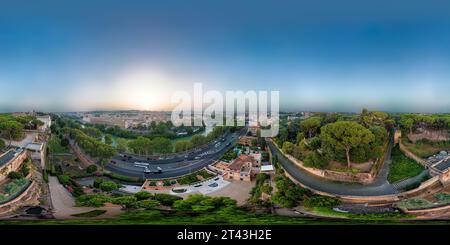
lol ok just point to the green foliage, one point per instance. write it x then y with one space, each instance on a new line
125 201
123 177
288 194
92 145
229 155
15 175
261 177
316 160
63 179
321 201
198 203
97 182
90 214
345 136
25 170
166 199
55 145
147 204
402 167
2 144
143 195
92 200
107 185
11 128
183 145
91 169
15 186
310 125
443 197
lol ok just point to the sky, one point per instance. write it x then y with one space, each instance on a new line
321 55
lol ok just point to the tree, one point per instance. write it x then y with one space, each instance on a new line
108 186
64 142
25 170
182 145
108 139
162 145
121 145
346 135
141 145
147 204
15 175
288 147
91 169
2 144
143 195
125 201
310 125
407 123
13 129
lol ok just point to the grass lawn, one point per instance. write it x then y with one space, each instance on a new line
402 167
90 214
424 149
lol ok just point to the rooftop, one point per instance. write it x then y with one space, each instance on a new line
8 156
239 163
34 146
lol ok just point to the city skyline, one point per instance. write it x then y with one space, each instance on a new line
338 57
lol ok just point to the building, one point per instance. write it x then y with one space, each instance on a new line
253 130
242 168
47 120
37 151
11 161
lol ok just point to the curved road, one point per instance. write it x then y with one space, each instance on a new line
379 187
174 167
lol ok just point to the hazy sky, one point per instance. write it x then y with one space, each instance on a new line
330 55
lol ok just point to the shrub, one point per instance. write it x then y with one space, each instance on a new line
63 179
167 183
25 169
108 186
147 204
125 201
15 175
321 201
261 177
143 195
97 182
166 199
91 169
95 200
45 175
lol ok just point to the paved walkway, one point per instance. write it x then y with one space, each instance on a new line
63 203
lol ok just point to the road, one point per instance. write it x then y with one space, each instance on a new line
177 166
379 187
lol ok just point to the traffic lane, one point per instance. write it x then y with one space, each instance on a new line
228 138
170 171
321 184
129 163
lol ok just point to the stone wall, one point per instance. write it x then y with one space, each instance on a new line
363 178
411 155
28 197
13 165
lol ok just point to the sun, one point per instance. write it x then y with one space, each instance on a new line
142 90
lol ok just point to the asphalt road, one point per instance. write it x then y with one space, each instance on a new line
379 187
176 166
